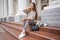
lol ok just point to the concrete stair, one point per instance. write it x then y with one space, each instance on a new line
15 33
7 36
45 33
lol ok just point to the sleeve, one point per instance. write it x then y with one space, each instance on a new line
25 11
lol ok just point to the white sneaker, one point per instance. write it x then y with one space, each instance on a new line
21 35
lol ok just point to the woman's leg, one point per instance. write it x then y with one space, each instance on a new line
25 24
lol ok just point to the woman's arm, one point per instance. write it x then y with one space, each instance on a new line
24 19
27 10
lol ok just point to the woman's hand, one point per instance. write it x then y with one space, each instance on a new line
23 19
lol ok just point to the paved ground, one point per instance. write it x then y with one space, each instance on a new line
1 30
1 38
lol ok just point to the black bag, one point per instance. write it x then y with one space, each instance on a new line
33 25
35 28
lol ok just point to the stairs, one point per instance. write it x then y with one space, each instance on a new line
45 33
7 36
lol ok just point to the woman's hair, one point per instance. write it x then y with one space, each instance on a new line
35 10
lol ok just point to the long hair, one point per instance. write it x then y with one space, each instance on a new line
35 10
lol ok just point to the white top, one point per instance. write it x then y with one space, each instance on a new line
31 15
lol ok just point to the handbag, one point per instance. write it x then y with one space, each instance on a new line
35 28
33 25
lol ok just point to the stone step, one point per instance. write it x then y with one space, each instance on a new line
51 30
16 33
43 34
7 36
11 31
17 28
55 30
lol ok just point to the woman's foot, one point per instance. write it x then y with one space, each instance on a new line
22 34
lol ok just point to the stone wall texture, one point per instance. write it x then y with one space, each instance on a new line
51 16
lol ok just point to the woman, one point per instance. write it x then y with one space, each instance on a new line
32 15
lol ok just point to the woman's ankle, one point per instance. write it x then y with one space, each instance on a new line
23 31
